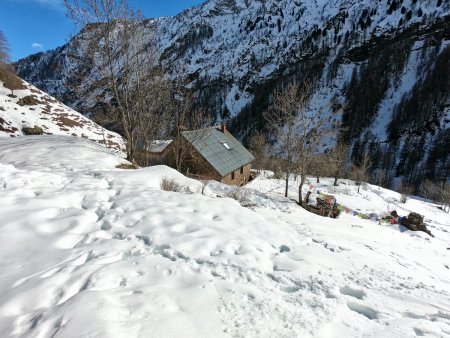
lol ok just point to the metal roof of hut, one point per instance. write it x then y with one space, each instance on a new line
220 149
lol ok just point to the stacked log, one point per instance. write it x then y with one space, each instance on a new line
327 209
323 207
414 222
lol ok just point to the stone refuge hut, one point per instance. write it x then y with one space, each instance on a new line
217 155
209 154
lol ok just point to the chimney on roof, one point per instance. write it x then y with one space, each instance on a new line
223 127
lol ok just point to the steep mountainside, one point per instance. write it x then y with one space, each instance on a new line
27 107
387 62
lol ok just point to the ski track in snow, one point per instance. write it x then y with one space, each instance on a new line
90 250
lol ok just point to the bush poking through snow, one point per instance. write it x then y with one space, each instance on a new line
29 100
169 184
204 185
9 79
404 191
445 199
278 173
360 173
404 198
36 130
241 195
127 166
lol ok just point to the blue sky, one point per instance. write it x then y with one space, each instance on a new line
32 26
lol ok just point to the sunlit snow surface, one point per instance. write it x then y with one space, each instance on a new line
88 250
50 115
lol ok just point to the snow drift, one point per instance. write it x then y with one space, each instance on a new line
92 250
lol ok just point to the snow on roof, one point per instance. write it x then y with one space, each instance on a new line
158 146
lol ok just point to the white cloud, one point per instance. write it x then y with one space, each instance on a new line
54 4
51 3
37 45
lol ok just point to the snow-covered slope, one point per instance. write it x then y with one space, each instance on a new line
91 250
29 107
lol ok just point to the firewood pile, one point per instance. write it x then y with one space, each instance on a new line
414 222
326 207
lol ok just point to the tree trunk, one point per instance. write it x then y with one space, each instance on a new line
287 184
129 150
178 159
300 199
130 141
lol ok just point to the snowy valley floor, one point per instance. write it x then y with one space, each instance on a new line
88 250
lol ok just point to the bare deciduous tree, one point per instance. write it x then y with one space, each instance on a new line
405 191
7 72
337 161
258 147
187 117
282 121
311 129
4 49
429 190
379 177
139 93
299 131
318 166
445 198
360 173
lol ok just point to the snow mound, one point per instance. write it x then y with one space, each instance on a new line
92 250
52 152
26 108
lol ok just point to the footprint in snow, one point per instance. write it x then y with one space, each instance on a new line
100 212
419 332
106 226
355 293
363 310
290 289
147 241
284 248
331 247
